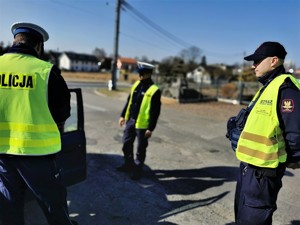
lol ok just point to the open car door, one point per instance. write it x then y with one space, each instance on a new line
72 158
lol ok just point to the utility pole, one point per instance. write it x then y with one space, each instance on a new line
116 45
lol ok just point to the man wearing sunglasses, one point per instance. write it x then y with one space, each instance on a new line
269 140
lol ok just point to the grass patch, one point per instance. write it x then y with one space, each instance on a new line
114 93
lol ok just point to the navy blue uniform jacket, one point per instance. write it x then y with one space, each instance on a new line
137 98
289 117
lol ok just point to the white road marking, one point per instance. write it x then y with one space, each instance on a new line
98 108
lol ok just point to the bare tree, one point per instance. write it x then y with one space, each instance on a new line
191 54
99 53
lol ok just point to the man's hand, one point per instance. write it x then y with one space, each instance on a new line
293 166
121 121
61 127
148 133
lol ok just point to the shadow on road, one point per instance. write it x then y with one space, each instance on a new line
110 197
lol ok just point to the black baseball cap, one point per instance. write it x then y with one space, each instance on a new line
267 49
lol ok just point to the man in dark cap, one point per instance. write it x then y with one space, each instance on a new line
140 113
34 104
268 138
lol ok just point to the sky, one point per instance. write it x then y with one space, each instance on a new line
224 30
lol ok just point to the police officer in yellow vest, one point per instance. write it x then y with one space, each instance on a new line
34 104
269 139
140 114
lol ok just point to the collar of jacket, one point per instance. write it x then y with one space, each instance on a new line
271 75
147 81
23 49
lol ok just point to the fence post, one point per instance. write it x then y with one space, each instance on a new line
218 86
241 87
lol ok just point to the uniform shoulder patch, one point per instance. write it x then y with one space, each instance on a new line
287 105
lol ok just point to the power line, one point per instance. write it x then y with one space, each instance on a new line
146 42
155 26
126 7
165 34
156 32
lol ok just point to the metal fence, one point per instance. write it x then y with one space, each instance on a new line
221 90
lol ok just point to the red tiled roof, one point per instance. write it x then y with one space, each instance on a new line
128 60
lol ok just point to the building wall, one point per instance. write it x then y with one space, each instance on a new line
200 75
64 62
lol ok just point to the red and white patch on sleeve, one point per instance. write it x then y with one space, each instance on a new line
287 105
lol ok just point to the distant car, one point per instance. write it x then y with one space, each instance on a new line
71 160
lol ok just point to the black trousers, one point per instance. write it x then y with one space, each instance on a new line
256 194
40 175
130 133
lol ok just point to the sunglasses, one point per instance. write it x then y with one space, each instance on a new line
257 62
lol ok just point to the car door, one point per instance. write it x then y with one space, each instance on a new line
72 158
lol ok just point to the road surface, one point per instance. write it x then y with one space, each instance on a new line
189 177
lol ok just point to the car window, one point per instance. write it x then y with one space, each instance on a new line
72 122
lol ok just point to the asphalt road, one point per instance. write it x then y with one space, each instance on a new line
189 177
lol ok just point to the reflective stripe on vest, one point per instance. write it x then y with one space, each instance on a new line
26 124
261 142
143 119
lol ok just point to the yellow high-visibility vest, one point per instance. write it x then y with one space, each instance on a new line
143 118
261 142
26 124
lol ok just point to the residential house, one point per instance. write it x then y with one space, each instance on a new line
128 64
210 74
200 75
71 61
